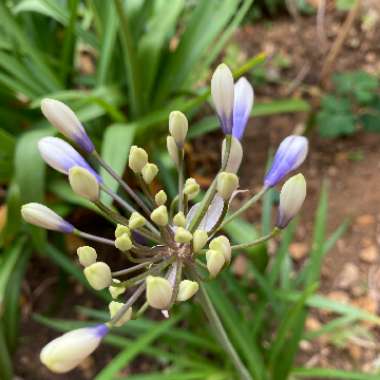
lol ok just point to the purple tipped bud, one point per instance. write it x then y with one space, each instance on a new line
243 102
61 156
289 156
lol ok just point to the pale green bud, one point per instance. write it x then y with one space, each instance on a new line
84 183
87 255
160 216
178 126
136 220
114 308
215 261
222 244
226 184
158 292
149 172
182 235
200 238
179 219
98 275
172 149
121 229
191 188
123 243
186 290
160 198
115 291
138 158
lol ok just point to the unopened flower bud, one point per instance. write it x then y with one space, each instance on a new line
87 255
172 149
160 198
136 221
138 158
114 308
222 92
65 120
178 126
158 292
200 238
215 261
226 184
179 219
186 290
222 244
123 242
121 229
235 156
289 156
98 275
42 216
84 183
149 172
160 216
191 188
292 196
116 291
66 352
182 235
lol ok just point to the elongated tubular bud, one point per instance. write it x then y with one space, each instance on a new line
114 307
158 292
222 92
200 238
226 184
64 119
67 351
138 158
84 183
235 156
98 275
87 255
292 196
42 216
187 289
178 126
289 156
215 261
172 149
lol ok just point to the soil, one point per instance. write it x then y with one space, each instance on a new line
351 271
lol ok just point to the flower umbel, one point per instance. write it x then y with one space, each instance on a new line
170 245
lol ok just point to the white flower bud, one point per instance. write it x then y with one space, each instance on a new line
66 352
191 188
182 235
200 238
84 183
222 244
158 292
235 157
98 275
160 198
136 221
226 184
87 255
186 290
292 196
114 308
138 158
123 243
179 219
178 126
172 149
215 261
149 172
121 229
116 291
160 216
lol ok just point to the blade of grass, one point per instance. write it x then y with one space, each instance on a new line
327 373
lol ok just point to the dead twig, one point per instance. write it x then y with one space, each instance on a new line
321 34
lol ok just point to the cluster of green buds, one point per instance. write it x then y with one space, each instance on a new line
170 246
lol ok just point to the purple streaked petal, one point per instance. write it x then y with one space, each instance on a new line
66 227
84 142
243 103
289 156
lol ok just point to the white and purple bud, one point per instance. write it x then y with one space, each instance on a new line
292 196
222 92
289 156
243 103
64 119
42 216
66 352
61 156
